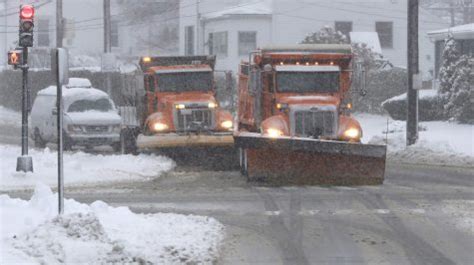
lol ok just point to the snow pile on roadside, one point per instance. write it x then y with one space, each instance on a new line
440 142
31 232
79 168
9 117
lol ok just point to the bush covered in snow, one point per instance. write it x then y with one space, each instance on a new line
457 83
430 106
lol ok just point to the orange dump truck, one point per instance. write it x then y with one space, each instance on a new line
294 121
180 105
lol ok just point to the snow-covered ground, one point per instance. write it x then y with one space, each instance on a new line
440 142
32 233
79 168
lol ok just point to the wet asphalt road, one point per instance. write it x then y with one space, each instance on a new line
421 215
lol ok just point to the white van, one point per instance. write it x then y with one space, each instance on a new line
90 116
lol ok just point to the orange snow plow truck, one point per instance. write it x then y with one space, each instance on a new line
181 110
294 121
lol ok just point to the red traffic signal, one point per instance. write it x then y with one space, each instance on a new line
15 58
27 12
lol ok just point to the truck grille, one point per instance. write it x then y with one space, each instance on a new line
315 123
96 128
194 120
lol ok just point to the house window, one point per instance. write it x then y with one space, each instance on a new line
385 32
218 43
114 33
189 40
43 32
345 27
247 42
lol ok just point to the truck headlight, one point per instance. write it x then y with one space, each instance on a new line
75 128
352 133
158 127
273 133
227 124
212 105
116 128
180 106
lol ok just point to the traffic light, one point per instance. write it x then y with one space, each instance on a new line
27 14
15 58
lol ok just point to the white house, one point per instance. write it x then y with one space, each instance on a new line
84 30
463 34
232 28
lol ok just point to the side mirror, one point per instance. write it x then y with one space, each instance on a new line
361 78
54 111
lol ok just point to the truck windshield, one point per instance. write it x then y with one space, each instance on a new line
302 82
182 82
83 105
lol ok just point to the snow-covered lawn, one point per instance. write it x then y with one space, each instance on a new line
79 168
440 142
31 232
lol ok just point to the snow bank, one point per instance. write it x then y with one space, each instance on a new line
31 232
9 117
79 168
440 143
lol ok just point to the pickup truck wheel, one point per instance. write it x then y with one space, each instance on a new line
67 142
117 147
128 141
39 142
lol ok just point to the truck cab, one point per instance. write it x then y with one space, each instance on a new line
299 93
181 109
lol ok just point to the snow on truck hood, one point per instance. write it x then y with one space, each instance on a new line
95 117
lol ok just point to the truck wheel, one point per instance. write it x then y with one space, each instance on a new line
67 142
243 162
128 142
117 147
39 143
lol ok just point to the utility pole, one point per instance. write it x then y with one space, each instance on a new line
467 11
414 80
5 23
59 23
107 27
451 13
198 29
107 45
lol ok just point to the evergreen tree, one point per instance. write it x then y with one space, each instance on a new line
326 35
460 105
450 57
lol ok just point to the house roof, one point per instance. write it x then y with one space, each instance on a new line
458 32
247 9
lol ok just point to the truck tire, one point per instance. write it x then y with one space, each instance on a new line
128 141
67 142
39 142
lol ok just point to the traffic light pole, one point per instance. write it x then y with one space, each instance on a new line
24 162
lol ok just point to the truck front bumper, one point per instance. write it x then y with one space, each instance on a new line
190 140
95 140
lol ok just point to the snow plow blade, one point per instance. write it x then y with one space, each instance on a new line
302 161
